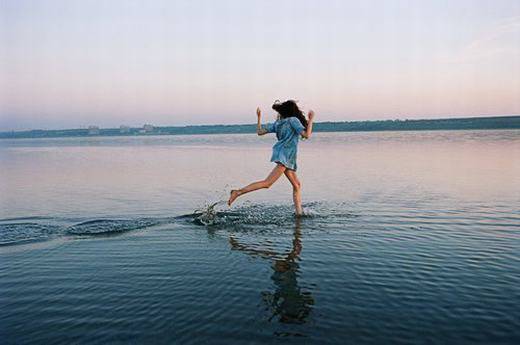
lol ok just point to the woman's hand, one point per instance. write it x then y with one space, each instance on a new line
308 131
258 112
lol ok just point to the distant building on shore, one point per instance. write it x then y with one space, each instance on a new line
124 129
147 129
93 130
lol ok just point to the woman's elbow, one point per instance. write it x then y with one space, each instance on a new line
306 135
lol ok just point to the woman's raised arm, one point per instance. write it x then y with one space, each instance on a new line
259 129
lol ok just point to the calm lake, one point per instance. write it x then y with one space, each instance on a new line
410 237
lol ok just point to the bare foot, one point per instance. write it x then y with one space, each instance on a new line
234 194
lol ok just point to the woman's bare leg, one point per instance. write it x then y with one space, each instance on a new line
297 187
266 183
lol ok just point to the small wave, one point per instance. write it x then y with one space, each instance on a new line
22 233
258 216
28 218
111 226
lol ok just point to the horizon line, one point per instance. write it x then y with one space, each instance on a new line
247 124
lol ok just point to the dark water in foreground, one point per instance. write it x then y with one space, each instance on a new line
411 237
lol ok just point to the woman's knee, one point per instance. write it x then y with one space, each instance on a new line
297 186
267 183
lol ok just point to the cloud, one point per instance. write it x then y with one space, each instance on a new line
501 41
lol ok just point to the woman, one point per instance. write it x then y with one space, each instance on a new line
291 124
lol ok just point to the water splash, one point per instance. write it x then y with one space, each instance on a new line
208 214
262 214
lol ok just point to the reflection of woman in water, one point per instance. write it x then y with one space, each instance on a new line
288 302
290 125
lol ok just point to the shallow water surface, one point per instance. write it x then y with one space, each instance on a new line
409 237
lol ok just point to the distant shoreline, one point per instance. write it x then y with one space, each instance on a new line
491 122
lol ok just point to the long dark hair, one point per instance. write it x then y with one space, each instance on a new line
290 109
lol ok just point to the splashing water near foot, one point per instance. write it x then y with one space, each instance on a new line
261 214
208 214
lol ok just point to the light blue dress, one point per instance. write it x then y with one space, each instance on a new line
288 133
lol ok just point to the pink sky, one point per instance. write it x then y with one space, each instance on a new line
76 63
